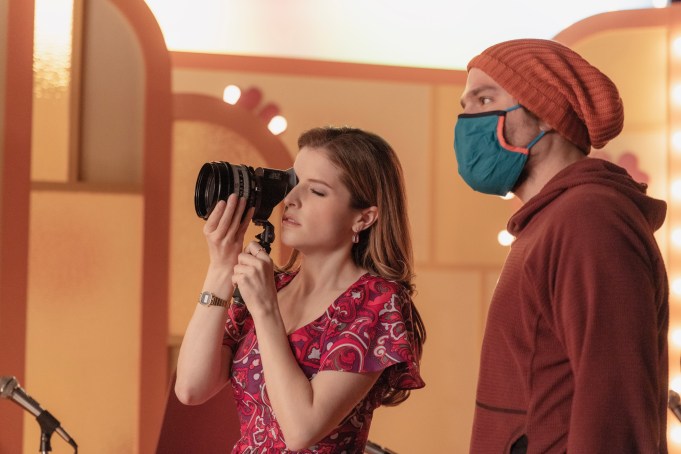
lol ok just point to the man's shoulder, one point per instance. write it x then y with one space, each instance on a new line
590 199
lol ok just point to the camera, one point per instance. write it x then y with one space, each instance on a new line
262 188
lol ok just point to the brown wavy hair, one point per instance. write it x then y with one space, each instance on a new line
372 173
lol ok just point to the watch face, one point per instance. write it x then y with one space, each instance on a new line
208 299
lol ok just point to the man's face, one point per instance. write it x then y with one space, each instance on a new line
483 94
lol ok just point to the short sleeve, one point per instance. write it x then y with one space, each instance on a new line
370 330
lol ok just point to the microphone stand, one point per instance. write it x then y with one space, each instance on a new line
265 238
373 448
48 424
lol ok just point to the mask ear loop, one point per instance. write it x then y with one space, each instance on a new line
536 139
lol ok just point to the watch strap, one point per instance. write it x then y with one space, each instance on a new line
209 299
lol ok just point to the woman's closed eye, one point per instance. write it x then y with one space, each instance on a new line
317 193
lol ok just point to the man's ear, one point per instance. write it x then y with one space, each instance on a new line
365 219
544 126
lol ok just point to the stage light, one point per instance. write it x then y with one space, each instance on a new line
277 125
676 45
676 140
505 238
676 236
676 94
675 435
231 94
676 286
676 189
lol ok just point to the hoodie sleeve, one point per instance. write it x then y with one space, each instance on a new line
609 310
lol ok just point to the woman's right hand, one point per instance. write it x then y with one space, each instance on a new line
203 364
224 231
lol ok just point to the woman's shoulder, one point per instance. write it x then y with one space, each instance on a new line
372 288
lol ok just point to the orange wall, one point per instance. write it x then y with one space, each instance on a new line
83 310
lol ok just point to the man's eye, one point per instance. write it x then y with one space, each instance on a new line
485 100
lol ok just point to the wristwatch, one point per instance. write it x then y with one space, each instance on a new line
208 299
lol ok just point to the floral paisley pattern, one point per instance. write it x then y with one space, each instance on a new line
366 329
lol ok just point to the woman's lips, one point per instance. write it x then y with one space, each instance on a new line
287 220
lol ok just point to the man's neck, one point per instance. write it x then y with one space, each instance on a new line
544 167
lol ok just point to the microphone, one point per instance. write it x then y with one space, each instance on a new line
10 389
674 403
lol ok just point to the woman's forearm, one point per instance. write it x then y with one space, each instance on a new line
203 363
289 390
307 410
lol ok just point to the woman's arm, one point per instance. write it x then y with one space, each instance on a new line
306 410
204 363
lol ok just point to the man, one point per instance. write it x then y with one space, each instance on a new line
574 356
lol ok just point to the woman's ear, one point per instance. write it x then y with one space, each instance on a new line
365 219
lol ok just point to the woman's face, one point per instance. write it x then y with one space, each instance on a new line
317 215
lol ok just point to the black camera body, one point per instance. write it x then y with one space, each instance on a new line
262 188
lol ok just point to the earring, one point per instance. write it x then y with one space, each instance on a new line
355 237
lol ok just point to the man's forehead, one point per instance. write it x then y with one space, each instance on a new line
478 82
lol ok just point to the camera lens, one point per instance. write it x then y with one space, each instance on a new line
263 188
216 181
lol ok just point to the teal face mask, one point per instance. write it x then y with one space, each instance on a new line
486 162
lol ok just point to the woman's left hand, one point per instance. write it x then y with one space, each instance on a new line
254 276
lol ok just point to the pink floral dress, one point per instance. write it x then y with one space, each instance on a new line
366 329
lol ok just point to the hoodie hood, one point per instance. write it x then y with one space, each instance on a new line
590 171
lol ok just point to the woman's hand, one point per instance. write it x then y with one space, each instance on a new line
224 231
254 275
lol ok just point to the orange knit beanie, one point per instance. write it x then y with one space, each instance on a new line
559 86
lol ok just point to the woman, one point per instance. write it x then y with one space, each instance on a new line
333 334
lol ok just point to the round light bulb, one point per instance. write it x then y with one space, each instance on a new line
676 140
676 286
676 45
675 435
231 94
676 93
277 125
676 189
675 383
675 337
505 238
676 236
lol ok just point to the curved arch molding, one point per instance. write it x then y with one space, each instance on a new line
153 380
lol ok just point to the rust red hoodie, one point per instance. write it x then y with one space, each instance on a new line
574 357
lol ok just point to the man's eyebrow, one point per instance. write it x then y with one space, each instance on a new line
476 91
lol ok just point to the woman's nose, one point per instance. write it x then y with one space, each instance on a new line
291 198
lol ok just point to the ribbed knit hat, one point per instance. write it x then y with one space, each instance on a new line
559 86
